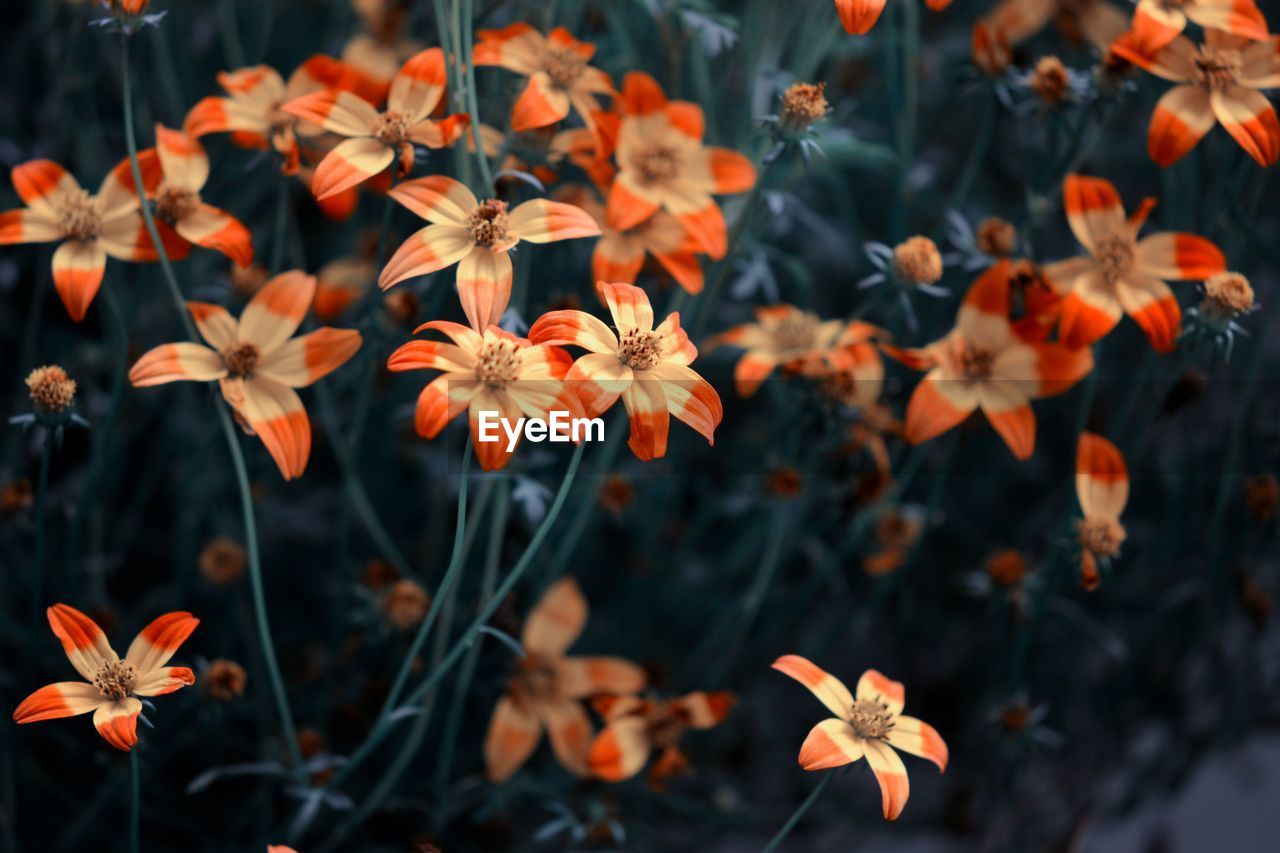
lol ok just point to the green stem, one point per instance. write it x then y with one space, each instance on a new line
797 815
42 494
231 33
280 237
135 802
456 561
473 104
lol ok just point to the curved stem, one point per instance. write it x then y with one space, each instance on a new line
473 105
797 814
135 802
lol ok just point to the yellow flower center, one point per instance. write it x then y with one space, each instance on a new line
871 718
1114 256
488 223
498 363
639 350
392 128
173 204
115 680
657 165
1101 537
1217 70
976 363
80 216
241 359
563 65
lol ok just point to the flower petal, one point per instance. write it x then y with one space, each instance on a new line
341 112
484 286
513 734
277 416
78 267
350 163
275 312
579 678
117 722
557 619
305 359
178 362
83 641
918 738
54 701
831 743
620 750
892 776
543 221
429 250
157 642
1102 478
829 689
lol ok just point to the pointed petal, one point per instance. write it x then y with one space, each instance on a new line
444 398
216 326
82 640
1088 312
831 743
829 689
513 734
157 642
484 286
1152 305
859 16
1181 119
540 104
646 405
892 776
873 685
557 619
937 405
577 328
629 306
350 163
42 184
117 722
1102 478
275 312
437 198
164 680
918 738
276 414
54 701
182 158
305 359
1249 117
177 363
542 221
78 268
432 249
218 230
341 112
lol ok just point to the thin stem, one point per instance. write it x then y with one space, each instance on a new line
456 562
280 236
42 494
473 105
798 814
255 582
135 803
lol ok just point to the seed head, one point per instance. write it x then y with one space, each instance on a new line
52 391
803 104
224 679
918 261
997 237
1050 81
1227 295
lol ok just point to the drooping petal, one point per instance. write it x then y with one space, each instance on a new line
513 734
577 328
117 722
277 416
183 159
275 312
350 163
305 359
569 731
829 689
543 221
341 112
579 678
1152 305
859 16
83 641
54 701
540 104
629 306
557 619
78 268
437 198
1102 478
484 286
178 362
1249 117
216 229
1181 119
432 249
620 750
831 743
164 680
937 405
157 642
646 404
918 738
892 776
690 398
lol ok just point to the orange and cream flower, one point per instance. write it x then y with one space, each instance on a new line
636 727
663 165
89 227
252 112
1156 23
377 139
174 173
1218 81
493 371
799 341
111 685
384 46
258 363
983 364
476 236
1102 485
647 367
548 687
869 724
1122 274
1011 22
557 66
859 16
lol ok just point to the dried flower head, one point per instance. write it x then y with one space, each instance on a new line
406 605
1050 82
784 482
1015 716
918 261
1227 295
224 679
222 560
803 104
52 391
1262 496
996 237
1007 567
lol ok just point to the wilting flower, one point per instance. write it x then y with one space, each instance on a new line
252 111
1122 274
799 341
647 367
620 254
868 725
112 686
1102 485
983 364
547 688
379 138
635 727
1219 81
663 165
1156 23
477 236
490 371
859 16
90 227
556 65
258 364
173 174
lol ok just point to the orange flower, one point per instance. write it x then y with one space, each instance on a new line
1156 23
376 139
111 685
378 52
556 65
253 114
620 254
1102 485
983 364
340 283
801 342
1219 82
663 165
258 364
635 727
89 227
1012 22
547 688
859 16
1122 274
173 174
493 371
477 236
647 367
867 725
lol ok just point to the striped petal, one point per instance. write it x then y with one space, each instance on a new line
216 229
430 355
277 416
859 16
182 158
599 379
444 398
164 680
216 326
437 198
350 163
1102 478
918 738
513 734
620 750
221 115
28 225
831 743
177 363
707 229
517 48
1238 17
78 267
1094 209
305 359
646 404
416 90
543 221
892 776
873 685
157 642
629 306
484 286
937 405
42 184
1152 305
577 328
569 731
83 641
829 689
275 312
1249 117
1088 312
1011 416
579 678
55 701
1181 119
690 398
337 111
432 249
557 619
117 722
541 103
